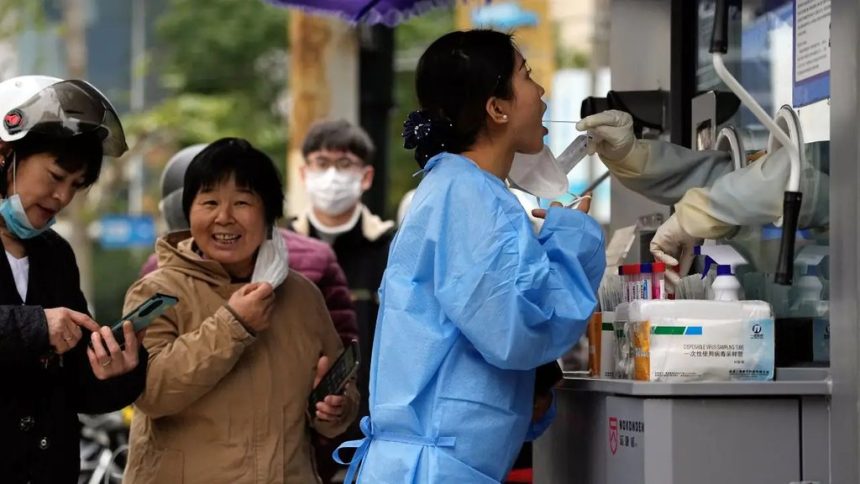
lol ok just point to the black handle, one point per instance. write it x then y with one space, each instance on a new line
790 215
720 36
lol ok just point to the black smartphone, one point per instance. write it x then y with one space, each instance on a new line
335 379
143 315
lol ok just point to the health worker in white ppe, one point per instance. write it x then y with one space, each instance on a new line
472 301
712 200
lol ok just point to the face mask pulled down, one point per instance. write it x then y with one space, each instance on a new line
14 215
334 191
272 263
542 174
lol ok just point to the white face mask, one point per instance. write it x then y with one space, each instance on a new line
334 191
542 174
538 174
272 263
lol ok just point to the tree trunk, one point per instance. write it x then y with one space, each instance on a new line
323 83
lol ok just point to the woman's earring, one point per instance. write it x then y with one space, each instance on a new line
504 117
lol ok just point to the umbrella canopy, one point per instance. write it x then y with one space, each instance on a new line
388 12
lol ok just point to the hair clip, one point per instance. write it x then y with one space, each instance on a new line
417 126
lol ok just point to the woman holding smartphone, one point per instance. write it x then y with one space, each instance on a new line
233 363
56 361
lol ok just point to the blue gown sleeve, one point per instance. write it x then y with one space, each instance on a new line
520 300
536 429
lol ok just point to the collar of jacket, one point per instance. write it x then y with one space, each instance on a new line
176 252
372 226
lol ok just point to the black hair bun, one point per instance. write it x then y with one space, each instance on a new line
426 134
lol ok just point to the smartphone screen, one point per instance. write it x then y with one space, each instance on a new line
144 314
334 381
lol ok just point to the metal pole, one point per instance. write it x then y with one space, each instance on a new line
376 98
844 243
138 49
599 59
138 46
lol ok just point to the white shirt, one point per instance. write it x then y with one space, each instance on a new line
20 272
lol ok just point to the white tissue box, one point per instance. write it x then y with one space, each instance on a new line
692 340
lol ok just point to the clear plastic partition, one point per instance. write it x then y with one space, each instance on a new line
781 65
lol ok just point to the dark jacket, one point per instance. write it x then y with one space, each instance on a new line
316 261
39 428
363 254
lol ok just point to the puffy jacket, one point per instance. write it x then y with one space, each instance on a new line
223 405
316 261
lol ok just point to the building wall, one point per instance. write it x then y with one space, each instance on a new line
639 48
575 20
109 56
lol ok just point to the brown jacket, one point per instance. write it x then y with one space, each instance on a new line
221 405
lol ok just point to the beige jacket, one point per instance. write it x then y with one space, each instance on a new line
221 405
372 227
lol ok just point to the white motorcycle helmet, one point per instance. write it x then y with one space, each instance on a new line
53 107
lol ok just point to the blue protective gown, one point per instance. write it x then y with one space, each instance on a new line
472 301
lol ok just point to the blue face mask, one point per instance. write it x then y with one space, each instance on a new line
16 219
12 211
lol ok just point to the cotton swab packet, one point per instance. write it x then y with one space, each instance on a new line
573 154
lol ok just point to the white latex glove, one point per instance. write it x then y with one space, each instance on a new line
613 134
673 246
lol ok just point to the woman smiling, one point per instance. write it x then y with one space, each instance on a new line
232 365
56 361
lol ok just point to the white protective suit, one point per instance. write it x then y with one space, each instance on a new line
711 199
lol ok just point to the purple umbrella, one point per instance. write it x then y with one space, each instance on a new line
388 12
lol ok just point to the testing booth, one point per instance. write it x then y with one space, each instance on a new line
801 425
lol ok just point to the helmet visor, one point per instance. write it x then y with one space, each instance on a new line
66 109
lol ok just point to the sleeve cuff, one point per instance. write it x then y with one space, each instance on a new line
238 330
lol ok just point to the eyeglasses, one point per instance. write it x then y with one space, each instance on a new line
343 163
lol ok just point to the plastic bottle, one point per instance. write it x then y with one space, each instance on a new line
807 294
809 286
726 286
723 254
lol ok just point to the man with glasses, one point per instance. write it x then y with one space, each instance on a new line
337 171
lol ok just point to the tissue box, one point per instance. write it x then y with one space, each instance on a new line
692 340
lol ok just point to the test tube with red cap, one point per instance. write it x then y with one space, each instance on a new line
633 283
658 277
624 295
